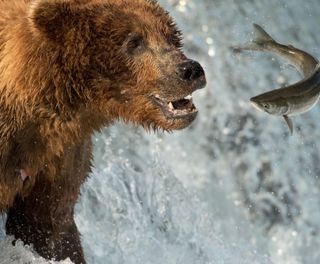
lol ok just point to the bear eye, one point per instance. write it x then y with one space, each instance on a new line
135 45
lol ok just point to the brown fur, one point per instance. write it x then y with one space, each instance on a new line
67 70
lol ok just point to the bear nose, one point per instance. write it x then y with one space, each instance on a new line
190 71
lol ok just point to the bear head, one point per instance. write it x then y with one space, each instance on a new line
115 59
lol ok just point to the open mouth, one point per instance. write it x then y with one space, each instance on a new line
180 108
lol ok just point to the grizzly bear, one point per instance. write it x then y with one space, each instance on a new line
67 69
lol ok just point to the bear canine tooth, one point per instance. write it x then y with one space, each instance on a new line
188 97
170 105
23 174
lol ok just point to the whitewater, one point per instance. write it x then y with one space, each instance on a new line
234 187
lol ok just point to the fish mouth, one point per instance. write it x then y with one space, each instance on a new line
180 108
255 105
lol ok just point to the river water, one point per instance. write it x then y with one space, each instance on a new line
234 187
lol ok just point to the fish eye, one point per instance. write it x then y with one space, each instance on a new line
266 106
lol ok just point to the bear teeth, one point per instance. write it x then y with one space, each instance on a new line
176 108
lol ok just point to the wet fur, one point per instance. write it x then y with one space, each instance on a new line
64 75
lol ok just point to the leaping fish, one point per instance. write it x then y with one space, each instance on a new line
294 99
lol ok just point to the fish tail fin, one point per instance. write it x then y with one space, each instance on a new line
260 41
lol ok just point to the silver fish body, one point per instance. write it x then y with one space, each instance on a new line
294 99
291 100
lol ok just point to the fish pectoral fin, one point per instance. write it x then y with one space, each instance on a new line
289 123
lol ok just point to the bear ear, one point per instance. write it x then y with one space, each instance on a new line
53 18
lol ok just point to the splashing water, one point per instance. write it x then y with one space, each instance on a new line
232 188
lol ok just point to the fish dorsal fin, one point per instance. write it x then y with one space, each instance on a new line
261 35
289 123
